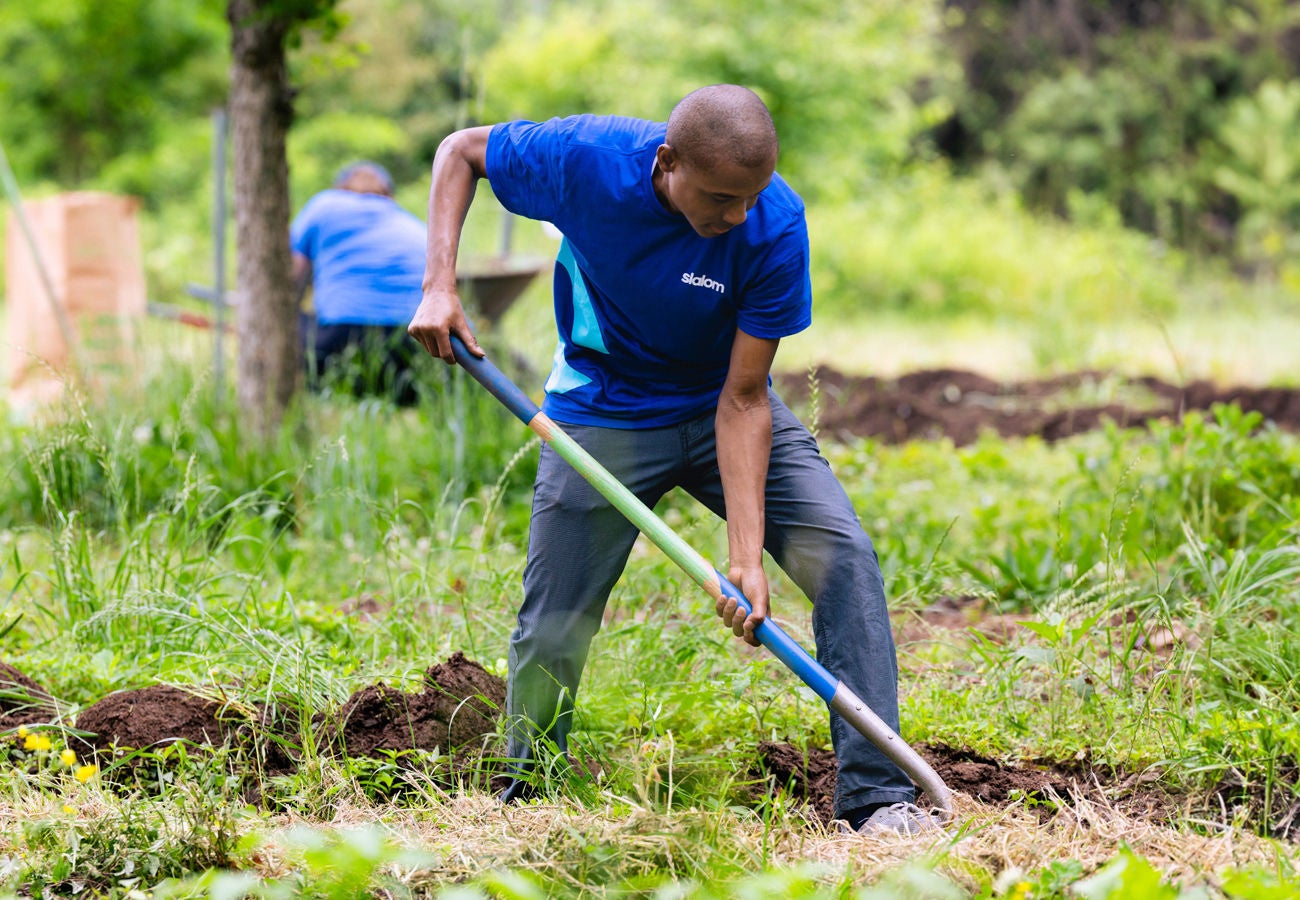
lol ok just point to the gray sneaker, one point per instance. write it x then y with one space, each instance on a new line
901 818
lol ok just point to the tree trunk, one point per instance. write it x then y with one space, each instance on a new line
261 108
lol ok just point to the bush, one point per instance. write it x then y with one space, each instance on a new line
935 246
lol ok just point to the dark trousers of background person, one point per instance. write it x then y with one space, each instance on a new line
364 360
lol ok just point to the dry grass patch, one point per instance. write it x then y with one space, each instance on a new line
581 850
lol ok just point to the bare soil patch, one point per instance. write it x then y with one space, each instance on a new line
454 713
1044 786
960 405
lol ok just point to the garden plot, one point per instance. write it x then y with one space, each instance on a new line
960 405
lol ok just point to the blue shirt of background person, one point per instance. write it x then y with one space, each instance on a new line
647 310
364 252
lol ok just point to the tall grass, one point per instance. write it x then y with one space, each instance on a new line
1154 571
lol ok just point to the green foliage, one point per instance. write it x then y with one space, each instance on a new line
1259 165
136 841
330 865
1127 108
1107 135
935 246
1252 884
88 80
1128 875
1233 478
182 443
634 59
406 62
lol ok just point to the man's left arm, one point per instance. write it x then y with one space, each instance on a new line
301 274
744 432
303 238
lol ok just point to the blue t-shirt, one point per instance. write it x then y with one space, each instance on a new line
367 257
647 309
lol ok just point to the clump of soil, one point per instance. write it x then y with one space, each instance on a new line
960 405
152 717
455 713
22 700
991 782
807 777
457 709
810 777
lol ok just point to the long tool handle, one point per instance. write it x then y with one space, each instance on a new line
833 691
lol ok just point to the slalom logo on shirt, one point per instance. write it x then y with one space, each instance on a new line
703 281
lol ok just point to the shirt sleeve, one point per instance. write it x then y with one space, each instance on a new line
525 166
777 302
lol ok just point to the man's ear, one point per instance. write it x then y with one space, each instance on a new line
666 157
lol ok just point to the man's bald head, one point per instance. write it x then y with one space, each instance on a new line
723 123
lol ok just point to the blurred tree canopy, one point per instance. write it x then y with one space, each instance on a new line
1178 119
1134 103
86 81
845 82
396 81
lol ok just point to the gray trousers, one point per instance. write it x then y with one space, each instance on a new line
579 544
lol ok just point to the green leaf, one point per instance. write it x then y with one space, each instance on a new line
1128 875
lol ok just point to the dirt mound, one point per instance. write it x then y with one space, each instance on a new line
810 778
960 405
992 782
153 717
807 777
455 713
22 700
1043 785
457 709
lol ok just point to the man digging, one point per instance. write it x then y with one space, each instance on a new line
684 262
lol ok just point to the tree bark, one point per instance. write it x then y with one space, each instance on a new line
261 109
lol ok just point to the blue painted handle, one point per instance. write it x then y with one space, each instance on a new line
785 648
501 387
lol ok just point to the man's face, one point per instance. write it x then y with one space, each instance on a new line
714 200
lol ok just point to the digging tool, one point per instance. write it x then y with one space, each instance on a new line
830 689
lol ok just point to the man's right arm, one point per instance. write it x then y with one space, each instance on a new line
460 162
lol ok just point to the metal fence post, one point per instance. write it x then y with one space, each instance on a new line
219 246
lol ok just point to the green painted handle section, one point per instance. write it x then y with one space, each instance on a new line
644 518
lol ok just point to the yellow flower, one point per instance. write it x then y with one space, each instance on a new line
22 731
36 742
85 773
43 742
69 756
68 809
